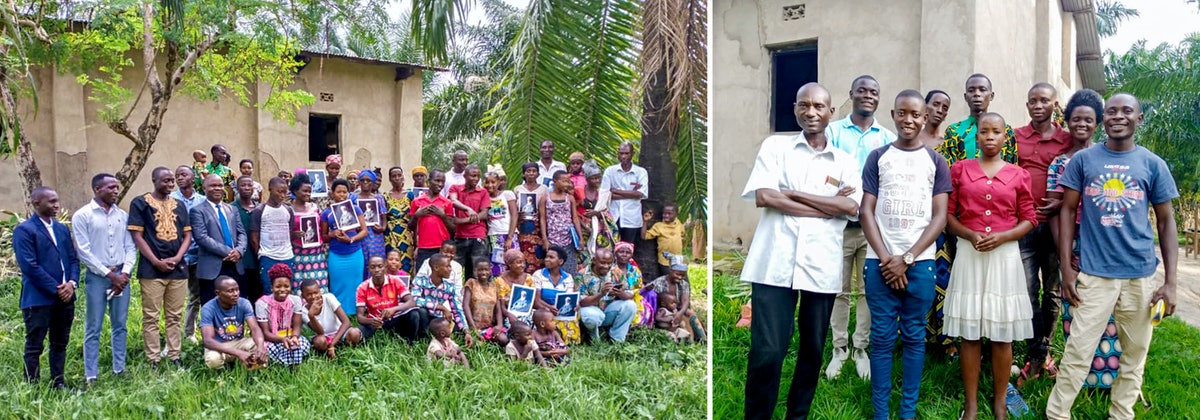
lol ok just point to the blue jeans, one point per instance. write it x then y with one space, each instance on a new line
618 315
902 310
264 265
95 287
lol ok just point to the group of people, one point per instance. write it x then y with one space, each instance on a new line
271 273
959 235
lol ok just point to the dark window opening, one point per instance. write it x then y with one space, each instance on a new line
791 68
323 138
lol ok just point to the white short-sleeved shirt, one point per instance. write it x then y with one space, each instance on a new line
328 317
802 253
546 173
627 211
905 182
498 217
452 179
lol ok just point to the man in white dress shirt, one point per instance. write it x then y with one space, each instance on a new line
547 166
629 185
104 245
807 189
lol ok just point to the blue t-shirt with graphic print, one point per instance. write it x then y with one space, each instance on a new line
1117 190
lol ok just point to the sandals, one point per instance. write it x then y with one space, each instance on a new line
1049 368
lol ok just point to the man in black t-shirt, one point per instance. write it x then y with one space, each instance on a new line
160 228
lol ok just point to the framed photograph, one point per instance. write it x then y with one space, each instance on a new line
527 206
320 184
568 306
310 231
419 191
521 301
344 216
370 211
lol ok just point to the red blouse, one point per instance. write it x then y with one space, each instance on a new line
990 205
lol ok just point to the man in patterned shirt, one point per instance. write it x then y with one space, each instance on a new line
439 298
960 136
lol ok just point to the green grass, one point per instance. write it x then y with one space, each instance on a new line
649 377
1171 376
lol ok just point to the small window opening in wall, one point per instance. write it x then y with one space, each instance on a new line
791 67
793 12
326 97
323 136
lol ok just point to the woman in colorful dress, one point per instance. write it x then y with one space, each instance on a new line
346 262
368 189
599 230
625 267
514 274
550 281
310 263
560 223
529 235
398 238
1083 112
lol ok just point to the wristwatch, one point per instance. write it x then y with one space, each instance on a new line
908 258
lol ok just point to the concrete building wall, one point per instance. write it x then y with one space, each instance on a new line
906 44
380 126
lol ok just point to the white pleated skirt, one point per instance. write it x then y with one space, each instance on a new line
986 297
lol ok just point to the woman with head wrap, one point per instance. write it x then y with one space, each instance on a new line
352 178
575 169
333 168
529 237
368 189
514 274
599 228
420 176
398 238
624 267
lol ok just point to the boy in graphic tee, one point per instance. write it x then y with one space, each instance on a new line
905 189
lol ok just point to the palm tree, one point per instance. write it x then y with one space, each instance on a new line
589 75
1110 14
1166 80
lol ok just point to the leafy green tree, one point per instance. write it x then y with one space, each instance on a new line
1167 81
202 49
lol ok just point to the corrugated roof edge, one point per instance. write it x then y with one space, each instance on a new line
366 60
1088 54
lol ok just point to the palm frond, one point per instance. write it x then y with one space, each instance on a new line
434 23
570 82
1110 14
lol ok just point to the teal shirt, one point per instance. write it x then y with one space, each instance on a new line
844 135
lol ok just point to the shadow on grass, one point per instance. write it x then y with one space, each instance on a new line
1171 376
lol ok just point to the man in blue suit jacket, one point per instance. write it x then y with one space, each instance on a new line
220 238
49 274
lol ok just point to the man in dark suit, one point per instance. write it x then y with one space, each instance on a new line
220 237
49 274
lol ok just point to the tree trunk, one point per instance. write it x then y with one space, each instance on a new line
31 176
657 157
134 162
